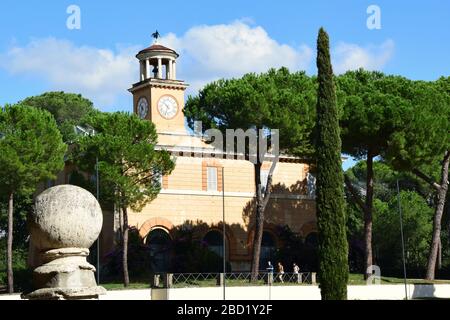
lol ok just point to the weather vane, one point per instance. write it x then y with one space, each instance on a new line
156 35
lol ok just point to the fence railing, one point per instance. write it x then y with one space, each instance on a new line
186 280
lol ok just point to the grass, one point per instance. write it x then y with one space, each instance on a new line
119 286
354 279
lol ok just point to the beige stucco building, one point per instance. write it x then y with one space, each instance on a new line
205 185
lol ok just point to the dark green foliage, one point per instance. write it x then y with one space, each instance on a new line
417 228
22 274
68 109
385 186
194 257
32 151
424 140
79 179
129 165
190 253
31 148
138 255
416 201
23 205
376 111
295 249
333 247
374 107
405 122
276 99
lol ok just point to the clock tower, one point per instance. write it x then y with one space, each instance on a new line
159 96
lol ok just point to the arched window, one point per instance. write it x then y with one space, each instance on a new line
268 247
159 243
214 241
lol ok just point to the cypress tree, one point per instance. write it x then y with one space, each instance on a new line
333 246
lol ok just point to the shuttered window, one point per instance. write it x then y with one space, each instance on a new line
212 178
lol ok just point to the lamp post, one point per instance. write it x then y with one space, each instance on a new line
79 130
223 232
403 242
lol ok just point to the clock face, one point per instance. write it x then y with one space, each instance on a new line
142 108
167 107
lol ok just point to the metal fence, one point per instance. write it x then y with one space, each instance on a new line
187 280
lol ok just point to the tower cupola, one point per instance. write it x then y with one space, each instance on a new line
157 62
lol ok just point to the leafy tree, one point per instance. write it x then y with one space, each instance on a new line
424 149
385 180
277 99
295 249
138 255
191 255
386 232
374 108
68 109
23 205
31 151
417 228
333 246
129 164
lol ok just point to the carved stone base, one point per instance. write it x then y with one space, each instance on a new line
65 275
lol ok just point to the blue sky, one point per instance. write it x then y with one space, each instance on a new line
214 38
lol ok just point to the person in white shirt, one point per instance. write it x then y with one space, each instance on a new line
296 272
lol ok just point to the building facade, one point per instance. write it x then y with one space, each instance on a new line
206 187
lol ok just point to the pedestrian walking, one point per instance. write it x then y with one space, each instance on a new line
280 272
296 269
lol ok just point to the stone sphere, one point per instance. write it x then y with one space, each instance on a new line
65 216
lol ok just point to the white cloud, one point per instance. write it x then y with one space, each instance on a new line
348 56
231 50
99 74
207 53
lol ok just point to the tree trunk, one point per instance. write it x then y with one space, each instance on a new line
126 278
368 261
10 242
262 198
259 224
441 195
439 260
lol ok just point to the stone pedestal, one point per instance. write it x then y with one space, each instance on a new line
66 221
65 274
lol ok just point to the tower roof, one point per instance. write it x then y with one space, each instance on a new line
157 48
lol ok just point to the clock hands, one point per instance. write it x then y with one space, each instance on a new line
167 107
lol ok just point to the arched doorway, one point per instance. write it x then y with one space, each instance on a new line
268 248
214 241
159 243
